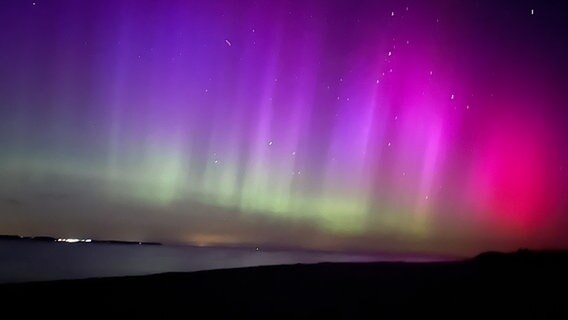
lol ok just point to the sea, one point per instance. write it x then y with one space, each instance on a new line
28 261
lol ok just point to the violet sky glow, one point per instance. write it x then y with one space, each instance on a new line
433 126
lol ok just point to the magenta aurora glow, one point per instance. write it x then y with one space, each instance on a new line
424 126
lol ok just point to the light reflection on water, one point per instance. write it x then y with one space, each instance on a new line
36 261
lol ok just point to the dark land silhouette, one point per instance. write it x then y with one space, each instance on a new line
524 284
93 241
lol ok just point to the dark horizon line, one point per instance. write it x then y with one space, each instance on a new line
272 248
55 239
256 247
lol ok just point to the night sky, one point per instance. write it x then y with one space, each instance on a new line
404 126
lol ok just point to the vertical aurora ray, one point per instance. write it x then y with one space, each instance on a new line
360 128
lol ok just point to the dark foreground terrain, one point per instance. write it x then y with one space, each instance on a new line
509 286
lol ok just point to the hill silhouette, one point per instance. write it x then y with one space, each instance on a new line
524 284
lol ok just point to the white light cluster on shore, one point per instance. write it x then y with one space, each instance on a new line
71 240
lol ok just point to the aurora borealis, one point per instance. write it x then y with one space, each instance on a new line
424 126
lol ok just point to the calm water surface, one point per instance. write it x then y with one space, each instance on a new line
35 261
